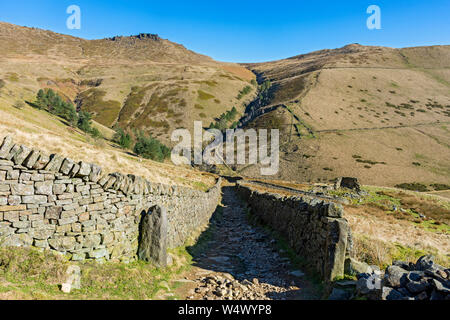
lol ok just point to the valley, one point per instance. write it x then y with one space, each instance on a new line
379 114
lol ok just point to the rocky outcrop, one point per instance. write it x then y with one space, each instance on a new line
315 228
423 280
348 183
57 203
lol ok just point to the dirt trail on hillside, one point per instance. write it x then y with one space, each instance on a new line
239 261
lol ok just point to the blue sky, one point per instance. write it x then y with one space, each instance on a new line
245 30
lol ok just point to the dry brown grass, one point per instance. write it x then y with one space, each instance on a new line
348 100
40 130
43 59
381 235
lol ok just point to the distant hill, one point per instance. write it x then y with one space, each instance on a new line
377 113
142 82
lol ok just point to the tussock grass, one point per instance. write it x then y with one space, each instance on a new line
382 253
382 234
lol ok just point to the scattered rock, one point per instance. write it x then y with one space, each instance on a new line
340 294
388 293
425 263
424 280
354 267
73 279
395 276
349 183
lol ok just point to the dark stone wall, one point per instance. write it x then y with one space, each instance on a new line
56 203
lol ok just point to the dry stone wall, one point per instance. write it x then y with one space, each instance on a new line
56 203
314 228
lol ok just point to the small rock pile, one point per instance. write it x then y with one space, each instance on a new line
423 280
227 288
241 261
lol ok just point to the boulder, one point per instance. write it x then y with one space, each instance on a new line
31 159
391 294
369 287
354 267
416 287
348 183
340 294
441 286
402 264
395 277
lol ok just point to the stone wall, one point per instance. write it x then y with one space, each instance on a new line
314 228
56 203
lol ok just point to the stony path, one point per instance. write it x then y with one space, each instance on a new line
241 261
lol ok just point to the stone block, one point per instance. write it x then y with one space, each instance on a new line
37 177
154 237
36 199
6 147
67 166
21 155
95 174
31 160
68 220
85 169
11 216
55 163
42 161
62 244
24 176
20 189
53 212
59 189
12 208
44 188
12 175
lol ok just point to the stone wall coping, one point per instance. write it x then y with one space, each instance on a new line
23 157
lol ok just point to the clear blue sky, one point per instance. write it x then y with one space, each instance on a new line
245 30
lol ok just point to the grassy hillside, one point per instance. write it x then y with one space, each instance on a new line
377 113
41 130
140 82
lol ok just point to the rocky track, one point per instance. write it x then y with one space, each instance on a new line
242 262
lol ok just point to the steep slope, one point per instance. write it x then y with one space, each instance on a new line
142 82
378 113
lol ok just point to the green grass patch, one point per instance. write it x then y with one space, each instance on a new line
202 95
28 273
105 112
415 186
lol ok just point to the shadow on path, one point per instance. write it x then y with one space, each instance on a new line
237 260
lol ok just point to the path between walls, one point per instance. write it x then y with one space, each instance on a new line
240 261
